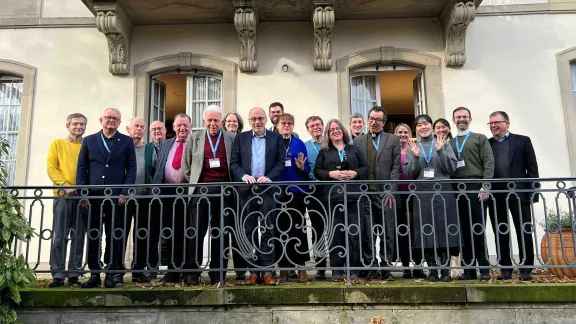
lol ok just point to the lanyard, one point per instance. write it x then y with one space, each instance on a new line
214 148
459 148
286 149
104 142
429 157
376 145
341 155
315 148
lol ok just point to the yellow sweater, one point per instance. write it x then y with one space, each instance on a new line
62 162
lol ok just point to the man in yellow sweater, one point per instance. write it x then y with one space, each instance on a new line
68 224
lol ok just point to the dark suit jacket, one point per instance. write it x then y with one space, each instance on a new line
388 156
523 162
241 161
98 167
162 158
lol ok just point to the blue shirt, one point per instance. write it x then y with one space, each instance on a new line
313 149
258 155
499 140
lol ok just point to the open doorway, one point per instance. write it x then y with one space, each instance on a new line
399 89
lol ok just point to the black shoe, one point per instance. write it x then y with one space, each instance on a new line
112 281
171 277
240 276
321 275
363 274
485 277
192 280
355 279
407 274
445 275
57 282
525 276
93 282
387 275
372 275
505 275
73 281
141 278
468 276
337 276
433 276
419 274
292 274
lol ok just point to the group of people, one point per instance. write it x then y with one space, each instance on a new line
425 221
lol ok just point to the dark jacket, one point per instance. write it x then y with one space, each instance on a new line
98 167
241 160
523 163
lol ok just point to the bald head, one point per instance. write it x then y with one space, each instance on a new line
257 119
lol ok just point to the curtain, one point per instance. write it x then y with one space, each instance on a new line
363 94
10 104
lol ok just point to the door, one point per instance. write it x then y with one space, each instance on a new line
158 101
202 90
419 95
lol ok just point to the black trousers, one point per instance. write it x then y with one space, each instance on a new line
292 245
175 221
378 221
404 232
473 227
342 231
232 218
318 214
119 223
205 213
521 213
146 232
259 214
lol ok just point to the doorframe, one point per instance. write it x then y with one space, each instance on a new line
431 64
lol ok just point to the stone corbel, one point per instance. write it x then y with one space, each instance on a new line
323 19
115 25
246 23
455 23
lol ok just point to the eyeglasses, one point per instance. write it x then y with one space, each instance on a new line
157 129
111 118
78 124
258 119
496 122
335 130
286 123
213 120
315 125
376 120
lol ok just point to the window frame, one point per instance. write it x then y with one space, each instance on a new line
5 128
190 101
566 61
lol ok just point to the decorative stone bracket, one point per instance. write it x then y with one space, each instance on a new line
246 23
455 23
323 19
113 23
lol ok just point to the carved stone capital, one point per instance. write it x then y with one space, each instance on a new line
115 25
246 23
323 19
455 23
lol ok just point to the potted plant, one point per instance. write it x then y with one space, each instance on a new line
557 245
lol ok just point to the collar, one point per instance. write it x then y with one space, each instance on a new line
263 136
503 137
109 138
314 141
71 140
374 135
463 133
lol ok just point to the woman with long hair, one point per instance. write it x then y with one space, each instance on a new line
338 160
233 123
441 125
435 222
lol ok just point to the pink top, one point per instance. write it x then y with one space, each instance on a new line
170 174
403 176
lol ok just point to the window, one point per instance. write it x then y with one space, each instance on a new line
365 93
573 69
10 104
158 101
202 90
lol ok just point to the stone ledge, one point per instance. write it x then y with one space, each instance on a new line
526 293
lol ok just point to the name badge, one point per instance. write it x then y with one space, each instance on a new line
428 173
214 163
288 163
460 164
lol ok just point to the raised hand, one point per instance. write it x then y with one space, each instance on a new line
415 148
300 161
440 141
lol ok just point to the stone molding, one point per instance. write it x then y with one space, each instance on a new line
115 25
564 60
28 75
246 23
323 19
430 64
455 22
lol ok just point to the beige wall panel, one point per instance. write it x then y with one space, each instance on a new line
64 8
19 8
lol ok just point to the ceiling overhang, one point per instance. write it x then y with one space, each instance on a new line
116 18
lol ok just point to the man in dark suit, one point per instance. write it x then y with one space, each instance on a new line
258 157
170 169
382 152
107 158
514 157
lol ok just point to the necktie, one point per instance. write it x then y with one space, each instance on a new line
177 161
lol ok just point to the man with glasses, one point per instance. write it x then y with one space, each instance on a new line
475 161
62 162
158 134
258 158
356 125
276 109
107 158
514 157
382 152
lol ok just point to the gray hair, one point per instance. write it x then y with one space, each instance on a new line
134 118
212 108
327 142
75 115
115 109
356 115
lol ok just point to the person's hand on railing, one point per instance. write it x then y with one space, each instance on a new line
415 148
70 192
263 179
249 179
122 201
482 195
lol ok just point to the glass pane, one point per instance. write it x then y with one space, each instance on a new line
4 93
162 100
16 93
4 118
573 68
14 118
370 87
156 94
11 168
357 106
214 89
13 142
355 87
199 86
197 110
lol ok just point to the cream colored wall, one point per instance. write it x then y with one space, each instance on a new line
65 8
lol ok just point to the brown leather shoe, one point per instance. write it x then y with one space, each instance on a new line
283 276
302 276
252 280
268 280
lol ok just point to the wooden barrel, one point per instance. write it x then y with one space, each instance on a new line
551 248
